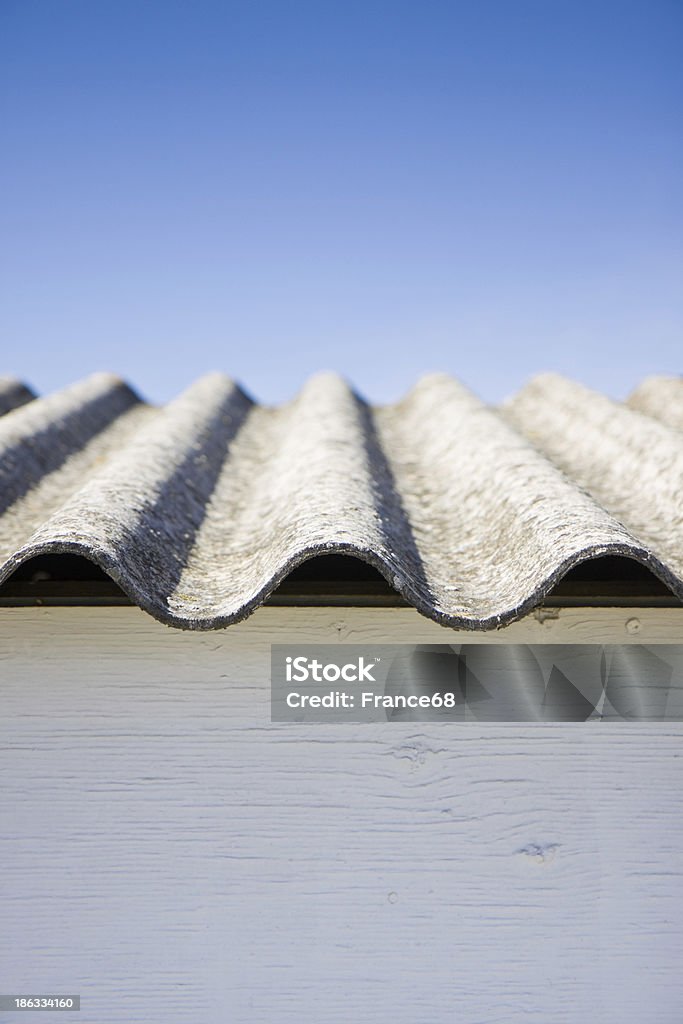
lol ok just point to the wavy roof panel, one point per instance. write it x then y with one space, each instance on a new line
198 509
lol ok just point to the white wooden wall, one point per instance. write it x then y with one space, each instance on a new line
173 856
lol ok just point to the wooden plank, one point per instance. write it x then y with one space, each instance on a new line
172 855
353 625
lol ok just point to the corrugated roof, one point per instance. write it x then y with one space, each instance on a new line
200 508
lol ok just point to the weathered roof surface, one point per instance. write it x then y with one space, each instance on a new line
661 397
198 509
13 394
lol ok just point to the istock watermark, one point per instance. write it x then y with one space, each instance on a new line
301 669
476 682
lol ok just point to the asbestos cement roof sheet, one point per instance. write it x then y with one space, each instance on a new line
198 509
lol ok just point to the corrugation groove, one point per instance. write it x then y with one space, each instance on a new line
39 438
630 464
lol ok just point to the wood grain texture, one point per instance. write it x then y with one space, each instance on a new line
170 854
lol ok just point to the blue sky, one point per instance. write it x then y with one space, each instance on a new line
490 188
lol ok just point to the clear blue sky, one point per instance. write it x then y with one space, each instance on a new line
490 187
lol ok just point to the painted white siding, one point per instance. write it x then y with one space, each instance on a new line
173 856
